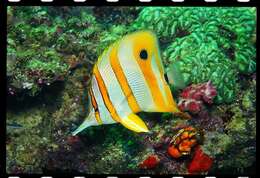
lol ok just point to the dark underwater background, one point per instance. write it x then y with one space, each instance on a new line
50 55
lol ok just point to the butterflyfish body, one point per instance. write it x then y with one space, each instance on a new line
128 78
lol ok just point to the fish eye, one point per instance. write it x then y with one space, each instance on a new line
143 54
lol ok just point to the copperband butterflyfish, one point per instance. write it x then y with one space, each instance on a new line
128 78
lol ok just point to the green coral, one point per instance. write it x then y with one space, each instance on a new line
109 37
165 22
198 36
245 57
206 62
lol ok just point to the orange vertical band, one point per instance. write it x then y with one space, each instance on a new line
95 106
104 94
114 61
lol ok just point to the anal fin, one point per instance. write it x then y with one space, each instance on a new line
134 123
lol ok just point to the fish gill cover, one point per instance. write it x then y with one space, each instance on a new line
50 55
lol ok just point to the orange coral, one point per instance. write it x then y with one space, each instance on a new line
174 152
183 142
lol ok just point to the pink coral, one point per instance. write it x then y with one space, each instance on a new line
193 97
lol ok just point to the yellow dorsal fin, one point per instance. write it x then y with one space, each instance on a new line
134 123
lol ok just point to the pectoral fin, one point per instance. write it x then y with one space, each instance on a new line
134 123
